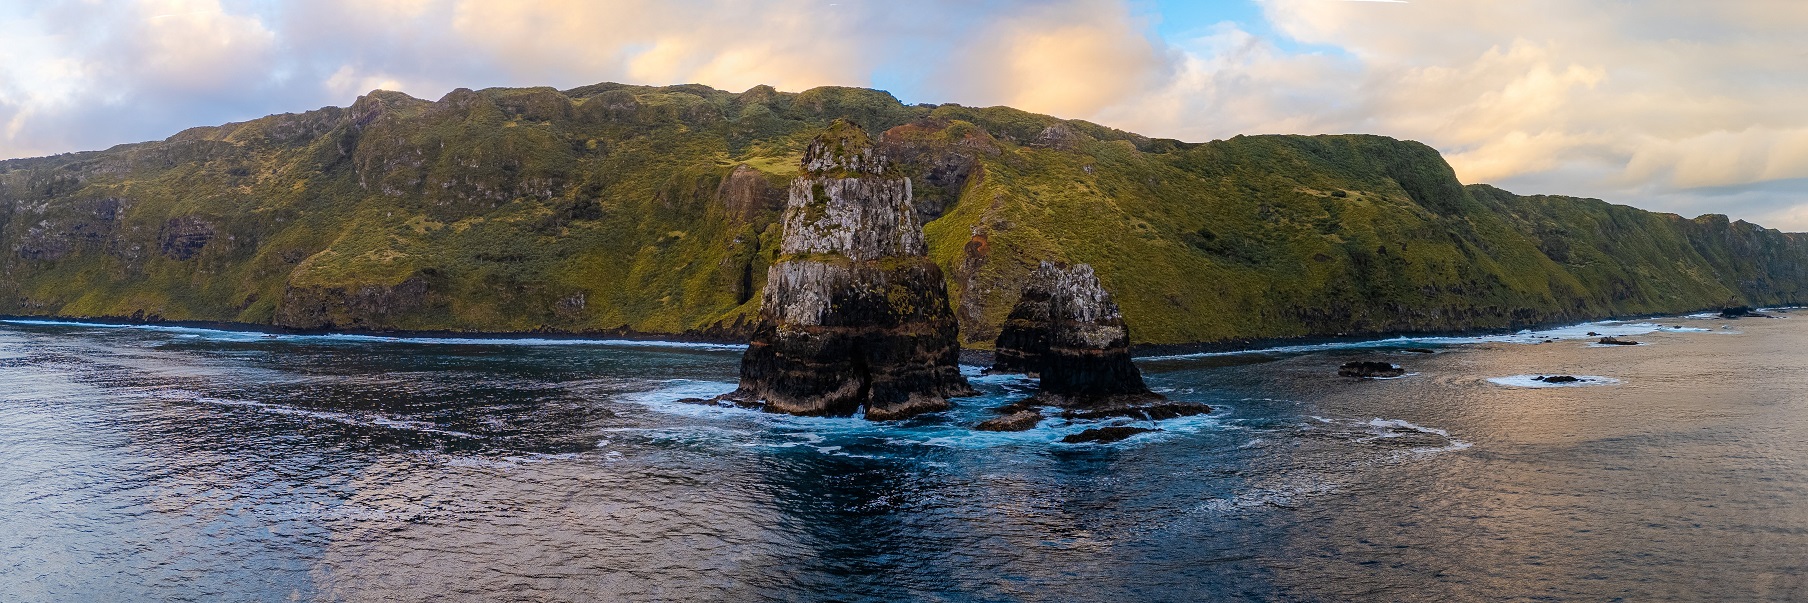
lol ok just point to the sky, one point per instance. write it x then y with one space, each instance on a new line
1683 106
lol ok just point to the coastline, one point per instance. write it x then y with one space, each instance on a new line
968 356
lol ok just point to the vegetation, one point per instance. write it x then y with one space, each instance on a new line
614 208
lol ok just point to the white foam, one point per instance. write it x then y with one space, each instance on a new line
1285 496
1531 381
786 431
1604 328
1390 425
365 420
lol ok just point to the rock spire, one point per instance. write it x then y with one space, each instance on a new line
854 314
1066 330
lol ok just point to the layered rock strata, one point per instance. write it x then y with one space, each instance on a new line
854 314
1066 330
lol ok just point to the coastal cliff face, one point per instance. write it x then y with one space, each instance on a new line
854 314
639 210
1066 330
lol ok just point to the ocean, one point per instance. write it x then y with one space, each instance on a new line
146 463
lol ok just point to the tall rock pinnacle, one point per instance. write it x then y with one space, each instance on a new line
854 314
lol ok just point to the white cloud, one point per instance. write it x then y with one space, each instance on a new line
1642 103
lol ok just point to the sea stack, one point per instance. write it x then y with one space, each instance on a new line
854 314
1066 330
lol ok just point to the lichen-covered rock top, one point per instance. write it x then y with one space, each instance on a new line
847 206
1076 295
1066 329
859 218
844 151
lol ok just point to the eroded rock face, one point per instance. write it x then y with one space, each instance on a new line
1066 329
182 238
854 314
371 306
745 193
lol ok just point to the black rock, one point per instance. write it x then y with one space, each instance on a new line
1153 412
1105 435
1022 420
1419 350
1614 341
1367 369
1066 330
854 314
1742 312
1558 379
182 238
1593 334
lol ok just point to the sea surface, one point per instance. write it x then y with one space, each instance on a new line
177 464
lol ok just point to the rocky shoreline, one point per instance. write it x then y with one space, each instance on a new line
978 357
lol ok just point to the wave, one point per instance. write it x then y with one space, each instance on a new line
356 420
1581 331
950 429
256 336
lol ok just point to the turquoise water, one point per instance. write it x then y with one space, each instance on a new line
148 463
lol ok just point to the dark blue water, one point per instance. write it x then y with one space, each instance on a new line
174 465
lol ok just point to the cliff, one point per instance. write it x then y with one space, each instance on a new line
612 208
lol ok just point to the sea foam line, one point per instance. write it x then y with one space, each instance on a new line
1613 328
336 417
230 335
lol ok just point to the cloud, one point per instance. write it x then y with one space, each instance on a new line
1647 104
1072 58
1666 104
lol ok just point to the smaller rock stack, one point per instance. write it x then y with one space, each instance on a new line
1066 330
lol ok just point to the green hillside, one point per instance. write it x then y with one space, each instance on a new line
614 208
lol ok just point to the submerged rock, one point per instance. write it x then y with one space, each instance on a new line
1105 435
1153 412
1066 330
1368 369
1742 312
1616 341
1558 379
854 314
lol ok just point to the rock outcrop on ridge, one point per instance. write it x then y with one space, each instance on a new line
854 314
1066 330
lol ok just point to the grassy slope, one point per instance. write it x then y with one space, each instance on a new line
603 208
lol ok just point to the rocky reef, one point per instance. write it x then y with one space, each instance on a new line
1066 330
854 314
1370 369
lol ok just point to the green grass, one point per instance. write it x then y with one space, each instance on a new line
513 204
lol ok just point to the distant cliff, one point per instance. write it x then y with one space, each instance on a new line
614 208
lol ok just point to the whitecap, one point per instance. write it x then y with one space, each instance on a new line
245 336
1586 330
357 420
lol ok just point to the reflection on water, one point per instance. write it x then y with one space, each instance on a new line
184 464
